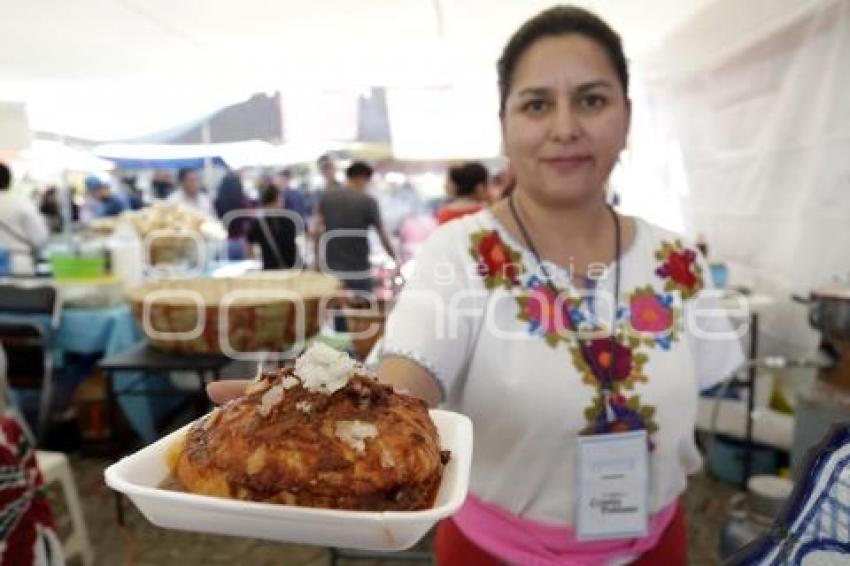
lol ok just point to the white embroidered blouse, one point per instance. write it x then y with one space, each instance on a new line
478 315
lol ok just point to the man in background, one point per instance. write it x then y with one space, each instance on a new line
162 184
350 209
327 169
100 202
293 199
23 230
189 192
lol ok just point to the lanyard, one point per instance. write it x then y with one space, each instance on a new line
605 386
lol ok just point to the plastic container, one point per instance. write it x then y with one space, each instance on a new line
77 267
719 274
125 250
768 494
726 460
139 476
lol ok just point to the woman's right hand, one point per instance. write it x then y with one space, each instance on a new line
222 391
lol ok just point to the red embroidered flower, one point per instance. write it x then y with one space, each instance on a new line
680 268
546 311
495 260
602 356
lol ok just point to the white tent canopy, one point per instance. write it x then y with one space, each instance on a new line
110 69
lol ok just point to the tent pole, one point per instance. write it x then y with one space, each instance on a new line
206 139
65 193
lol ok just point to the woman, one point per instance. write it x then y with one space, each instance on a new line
508 320
274 230
230 198
469 187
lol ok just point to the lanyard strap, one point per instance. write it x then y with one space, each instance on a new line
605 386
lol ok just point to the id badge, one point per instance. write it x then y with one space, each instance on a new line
613 486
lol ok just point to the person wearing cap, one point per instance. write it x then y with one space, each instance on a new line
100 202
23 230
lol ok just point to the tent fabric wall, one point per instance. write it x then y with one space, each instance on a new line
764 136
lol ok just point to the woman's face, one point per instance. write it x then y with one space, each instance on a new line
566 119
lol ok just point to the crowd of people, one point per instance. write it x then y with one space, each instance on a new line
339 214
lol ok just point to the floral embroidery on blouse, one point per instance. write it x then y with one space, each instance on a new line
555 316
499 265
680 268
618 364
629 415
549 314
652 317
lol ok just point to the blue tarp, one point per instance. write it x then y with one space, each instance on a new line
189 163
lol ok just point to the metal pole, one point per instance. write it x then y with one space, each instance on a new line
206 139
751 387
65 194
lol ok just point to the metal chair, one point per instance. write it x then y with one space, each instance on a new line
23 300
29 365
28 317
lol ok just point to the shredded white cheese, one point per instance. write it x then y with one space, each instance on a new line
355 433
323 369
257 387
289 382
270 398
304 406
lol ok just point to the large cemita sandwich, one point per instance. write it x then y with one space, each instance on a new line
325 433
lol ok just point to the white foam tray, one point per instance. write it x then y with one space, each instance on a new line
139 475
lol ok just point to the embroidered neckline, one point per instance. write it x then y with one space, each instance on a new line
561 273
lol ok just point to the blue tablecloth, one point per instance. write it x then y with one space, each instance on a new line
110 331
104 332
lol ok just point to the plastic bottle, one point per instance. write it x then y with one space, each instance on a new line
125 248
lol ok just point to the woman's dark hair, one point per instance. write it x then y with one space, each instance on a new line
360 170
269 195
230 194
467 177
5 177
556 21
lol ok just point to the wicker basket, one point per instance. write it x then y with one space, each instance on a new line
259 311
173 249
